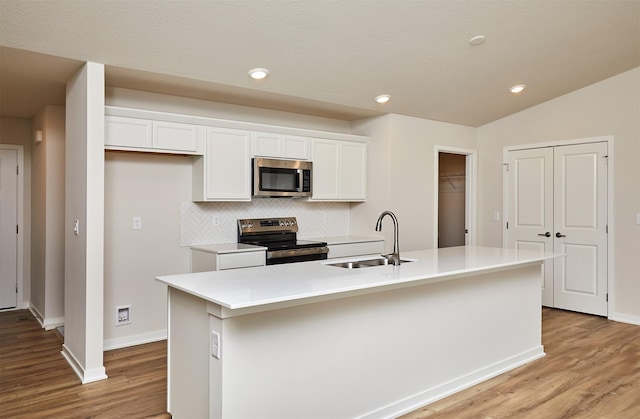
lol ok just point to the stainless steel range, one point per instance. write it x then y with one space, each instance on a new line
279 236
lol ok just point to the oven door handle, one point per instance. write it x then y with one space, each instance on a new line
275 254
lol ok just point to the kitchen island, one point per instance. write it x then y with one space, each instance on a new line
319 341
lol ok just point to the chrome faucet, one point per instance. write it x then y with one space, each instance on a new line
395 256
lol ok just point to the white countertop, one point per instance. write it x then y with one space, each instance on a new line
265 285
228 248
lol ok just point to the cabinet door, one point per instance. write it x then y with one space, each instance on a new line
280 146
294 147
120 131
353 171
228 165
267 144
326 166
175 136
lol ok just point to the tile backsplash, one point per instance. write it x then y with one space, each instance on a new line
216 222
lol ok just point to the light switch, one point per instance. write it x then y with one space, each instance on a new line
215 344
137 223
496 215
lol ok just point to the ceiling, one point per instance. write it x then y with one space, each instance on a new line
327 57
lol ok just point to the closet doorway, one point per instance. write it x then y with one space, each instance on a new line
455 204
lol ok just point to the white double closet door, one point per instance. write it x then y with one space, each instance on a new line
557 201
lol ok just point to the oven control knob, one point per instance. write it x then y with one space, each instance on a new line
250 225
281 224
293 223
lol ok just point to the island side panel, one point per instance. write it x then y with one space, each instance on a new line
380 354
188 356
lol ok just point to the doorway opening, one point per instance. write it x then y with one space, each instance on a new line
455 206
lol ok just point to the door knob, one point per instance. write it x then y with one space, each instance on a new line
547 234
558 235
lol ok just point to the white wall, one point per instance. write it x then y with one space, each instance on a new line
47 283
402 175
17 131
152 187
610 107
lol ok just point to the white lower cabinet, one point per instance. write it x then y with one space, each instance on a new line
224 172
216 258
137 134
339 170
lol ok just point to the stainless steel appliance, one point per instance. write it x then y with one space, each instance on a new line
279 236
281 178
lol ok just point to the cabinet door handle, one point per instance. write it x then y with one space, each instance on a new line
547 234
558 235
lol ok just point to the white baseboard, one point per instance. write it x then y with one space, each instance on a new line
124 342
52 323
36 314
46 324
625 318
458 384
86 376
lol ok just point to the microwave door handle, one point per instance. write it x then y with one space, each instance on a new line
299 180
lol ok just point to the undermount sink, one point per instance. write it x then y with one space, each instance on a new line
365 263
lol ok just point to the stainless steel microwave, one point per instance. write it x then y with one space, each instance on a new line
281 178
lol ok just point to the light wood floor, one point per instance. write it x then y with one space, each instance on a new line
592 370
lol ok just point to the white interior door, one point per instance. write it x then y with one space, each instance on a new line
530 179
580 220
8 228
557 201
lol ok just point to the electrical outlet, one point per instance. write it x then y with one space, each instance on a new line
216 221
496 215
638 218
76 227
215 344
137 223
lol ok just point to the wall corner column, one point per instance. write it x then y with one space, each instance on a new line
84 223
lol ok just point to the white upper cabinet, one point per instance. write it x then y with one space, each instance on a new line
222 152
280 146
175 136
127 132
339 170
224 172
137 134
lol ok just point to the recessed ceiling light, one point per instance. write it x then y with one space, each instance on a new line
258 73
383 98
477 40
518 88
